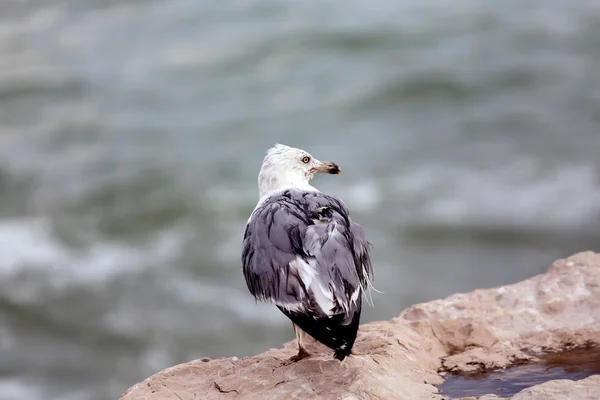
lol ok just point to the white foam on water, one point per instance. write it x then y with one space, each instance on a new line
363 196
238 302
15 389
229 249
29 245
562 197
225 198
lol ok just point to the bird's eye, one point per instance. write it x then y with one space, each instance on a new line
306 159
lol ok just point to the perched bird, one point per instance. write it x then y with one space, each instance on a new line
303 253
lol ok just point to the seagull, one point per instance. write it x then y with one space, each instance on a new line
303 253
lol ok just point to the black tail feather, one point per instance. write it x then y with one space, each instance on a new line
340 354
338 332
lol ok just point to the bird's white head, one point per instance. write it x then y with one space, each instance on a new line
286 166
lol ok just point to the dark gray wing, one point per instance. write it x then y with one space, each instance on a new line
303 253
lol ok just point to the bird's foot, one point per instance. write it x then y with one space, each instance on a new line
301 355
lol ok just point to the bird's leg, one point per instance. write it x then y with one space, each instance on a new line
302 353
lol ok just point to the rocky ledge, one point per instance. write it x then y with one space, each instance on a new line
406 357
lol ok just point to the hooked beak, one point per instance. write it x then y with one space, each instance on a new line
328 167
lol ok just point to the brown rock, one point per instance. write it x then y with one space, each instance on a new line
400 359
563 389
271 375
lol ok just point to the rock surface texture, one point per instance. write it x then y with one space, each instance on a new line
402 358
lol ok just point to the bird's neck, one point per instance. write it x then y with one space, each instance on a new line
270 181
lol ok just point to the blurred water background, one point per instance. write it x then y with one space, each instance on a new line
131 134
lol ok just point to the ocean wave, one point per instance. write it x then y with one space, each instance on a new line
551 207
44 81
13 389
30 246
